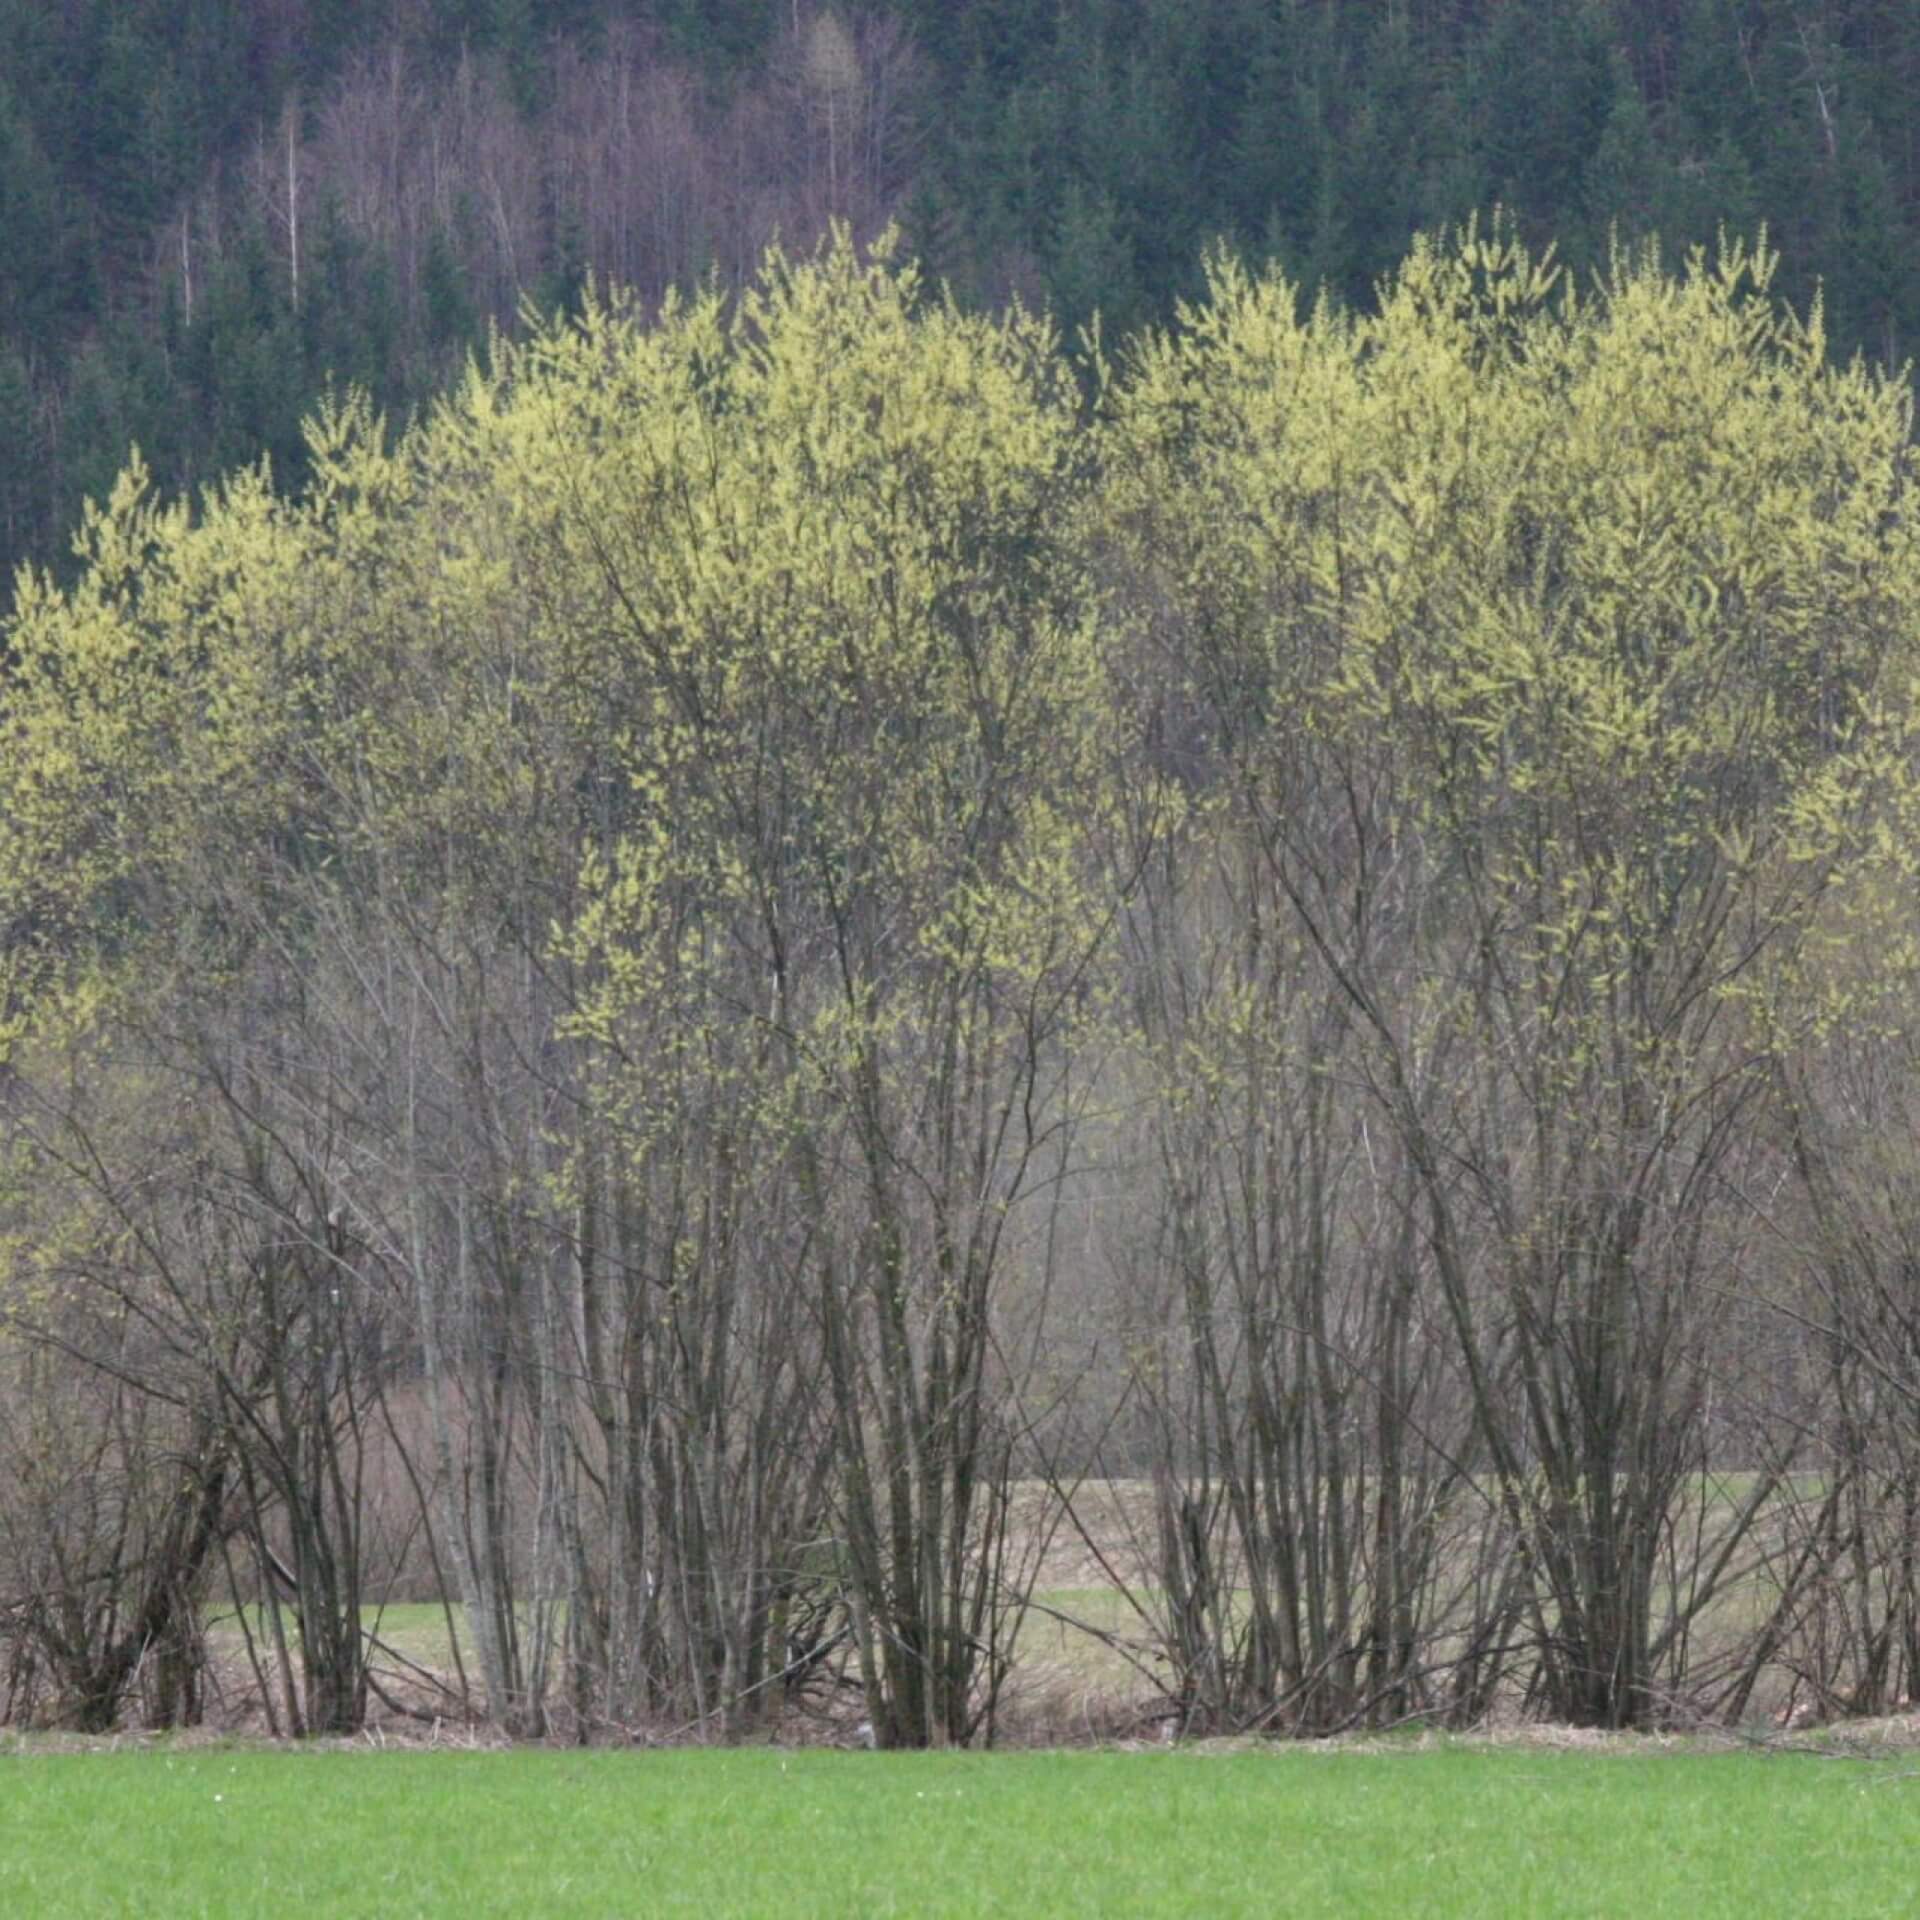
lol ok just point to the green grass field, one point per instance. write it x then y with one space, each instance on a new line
1444 1830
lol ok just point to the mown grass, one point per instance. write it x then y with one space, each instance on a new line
1445 1830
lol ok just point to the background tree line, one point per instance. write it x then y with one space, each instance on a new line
208 211
769 963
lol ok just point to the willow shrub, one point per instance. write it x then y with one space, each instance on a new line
759 845
1547 651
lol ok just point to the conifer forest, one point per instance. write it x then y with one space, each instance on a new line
831 835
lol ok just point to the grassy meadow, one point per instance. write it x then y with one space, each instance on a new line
1086 1660
1432 1829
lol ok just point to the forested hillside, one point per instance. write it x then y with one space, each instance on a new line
209 208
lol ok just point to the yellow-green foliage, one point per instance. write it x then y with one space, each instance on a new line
145 730
1606 597
799 566
767 633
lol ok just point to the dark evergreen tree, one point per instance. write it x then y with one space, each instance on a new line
1624 184
1090 268
22 478
42 282
1545 96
